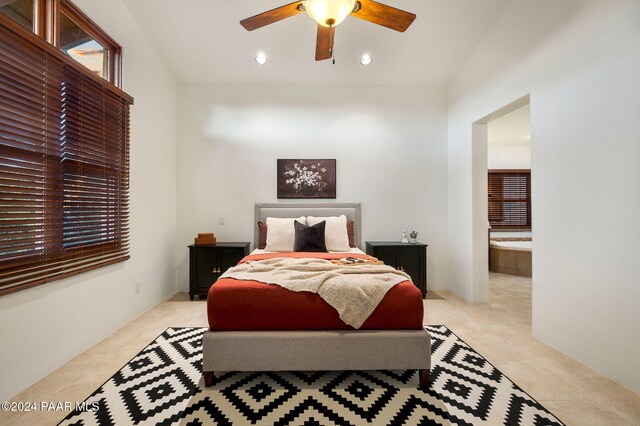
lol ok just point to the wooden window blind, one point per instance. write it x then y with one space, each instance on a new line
64 165
510 199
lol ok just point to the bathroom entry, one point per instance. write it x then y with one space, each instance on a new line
509 192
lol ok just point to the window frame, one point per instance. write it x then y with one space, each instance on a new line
46 25
43 36
84 264
499 205
114 51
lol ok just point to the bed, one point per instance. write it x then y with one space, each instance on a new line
259 327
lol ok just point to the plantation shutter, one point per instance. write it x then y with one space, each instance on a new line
64 166
510 199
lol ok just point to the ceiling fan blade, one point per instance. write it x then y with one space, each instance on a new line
324 43
271 16
384 15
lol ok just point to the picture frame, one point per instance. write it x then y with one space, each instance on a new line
306 178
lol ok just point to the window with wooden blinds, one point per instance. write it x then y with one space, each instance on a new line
64 165
510 199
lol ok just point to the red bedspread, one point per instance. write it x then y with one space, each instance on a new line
235 305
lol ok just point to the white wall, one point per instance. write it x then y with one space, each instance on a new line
389 143
509 156
44 327
579 60
509 138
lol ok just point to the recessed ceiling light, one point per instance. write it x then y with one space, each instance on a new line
261 58
366 59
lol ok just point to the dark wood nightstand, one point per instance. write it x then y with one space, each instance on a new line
410 258
207 263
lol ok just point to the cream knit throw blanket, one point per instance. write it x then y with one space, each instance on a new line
353 290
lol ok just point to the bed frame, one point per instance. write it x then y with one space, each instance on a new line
327 350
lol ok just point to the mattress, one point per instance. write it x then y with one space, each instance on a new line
234 305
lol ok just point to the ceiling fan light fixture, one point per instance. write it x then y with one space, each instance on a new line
329 13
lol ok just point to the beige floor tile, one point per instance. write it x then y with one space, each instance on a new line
610 394
539 382
586 413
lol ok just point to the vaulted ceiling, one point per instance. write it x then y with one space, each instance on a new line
202 42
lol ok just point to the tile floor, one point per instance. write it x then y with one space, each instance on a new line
499 330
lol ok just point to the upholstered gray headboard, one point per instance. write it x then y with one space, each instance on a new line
350 210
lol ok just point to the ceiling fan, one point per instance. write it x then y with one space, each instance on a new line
329 13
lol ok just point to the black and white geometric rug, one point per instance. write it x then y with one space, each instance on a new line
163 385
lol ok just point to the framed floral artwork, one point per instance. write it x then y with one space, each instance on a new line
306 178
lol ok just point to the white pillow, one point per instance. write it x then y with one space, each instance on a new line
335 232
281 233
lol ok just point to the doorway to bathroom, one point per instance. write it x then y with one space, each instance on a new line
509 193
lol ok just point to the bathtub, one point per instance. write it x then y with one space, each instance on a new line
510 257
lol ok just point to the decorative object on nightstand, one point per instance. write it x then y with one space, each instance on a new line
409 258
413 237
404 237
208 262
205 239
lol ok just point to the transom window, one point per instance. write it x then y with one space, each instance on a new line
65 26
75 42
21 11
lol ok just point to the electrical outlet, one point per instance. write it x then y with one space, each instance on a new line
221 220
137 287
